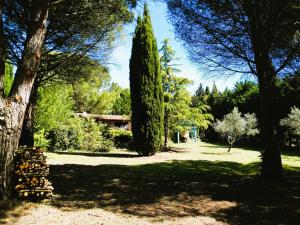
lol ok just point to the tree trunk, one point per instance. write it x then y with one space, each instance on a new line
271 158
27 135
12 110
11 124
290 140
166 127
230 146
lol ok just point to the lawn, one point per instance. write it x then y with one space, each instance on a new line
192 184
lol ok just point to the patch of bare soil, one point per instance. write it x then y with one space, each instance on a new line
48 215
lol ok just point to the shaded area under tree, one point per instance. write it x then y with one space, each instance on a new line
228 191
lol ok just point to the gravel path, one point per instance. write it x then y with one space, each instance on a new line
47 215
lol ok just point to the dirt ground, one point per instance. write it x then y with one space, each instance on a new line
194 184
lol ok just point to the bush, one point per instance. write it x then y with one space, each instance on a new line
93 139
121 138
40 139
79 134
63 138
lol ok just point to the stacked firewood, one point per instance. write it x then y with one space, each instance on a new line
31 171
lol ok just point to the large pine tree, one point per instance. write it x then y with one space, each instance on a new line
146 89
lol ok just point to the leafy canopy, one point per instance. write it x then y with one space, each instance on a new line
234 126
292 121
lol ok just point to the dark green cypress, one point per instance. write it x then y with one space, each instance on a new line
146 89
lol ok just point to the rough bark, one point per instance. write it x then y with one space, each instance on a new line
13 109
27 135
10 130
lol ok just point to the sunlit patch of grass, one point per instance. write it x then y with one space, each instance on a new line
212 152
291 161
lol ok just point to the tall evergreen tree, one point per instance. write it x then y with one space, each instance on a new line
200 96
171 84
146 89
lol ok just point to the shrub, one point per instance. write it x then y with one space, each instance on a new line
79 134
121 138
63 138
40 139
93 139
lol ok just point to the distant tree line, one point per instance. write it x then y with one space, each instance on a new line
245 96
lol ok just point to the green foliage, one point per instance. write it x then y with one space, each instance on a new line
121 138
95 93
79 134
146 89
76 29
122 105
183 116
289 95
63 138
201 95
58 128
292 121
179 114
40 139
54 106
93 139
8 78
234 126
244 95
68 135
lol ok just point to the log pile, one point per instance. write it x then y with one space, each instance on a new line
31 172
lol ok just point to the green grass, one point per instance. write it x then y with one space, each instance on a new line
245 155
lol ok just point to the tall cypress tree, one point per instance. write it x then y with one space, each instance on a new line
146 89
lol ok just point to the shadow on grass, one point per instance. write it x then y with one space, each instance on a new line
101 154
228 191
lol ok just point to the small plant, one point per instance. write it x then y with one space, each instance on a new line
235 127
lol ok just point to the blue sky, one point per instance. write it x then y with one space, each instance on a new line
119 69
